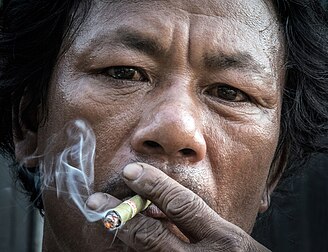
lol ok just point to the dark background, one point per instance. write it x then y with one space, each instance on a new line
298 217
20 224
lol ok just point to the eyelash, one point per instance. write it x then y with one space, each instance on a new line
221 87
143 77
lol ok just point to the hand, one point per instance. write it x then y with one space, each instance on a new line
204 228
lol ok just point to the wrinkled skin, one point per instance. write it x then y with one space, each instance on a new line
198 104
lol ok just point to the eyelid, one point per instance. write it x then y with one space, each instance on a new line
142 71
248 98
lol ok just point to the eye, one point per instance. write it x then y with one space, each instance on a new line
125 73
227 93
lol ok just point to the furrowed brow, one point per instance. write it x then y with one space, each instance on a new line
140 42
240 61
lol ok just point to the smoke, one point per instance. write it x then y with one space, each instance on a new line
71 172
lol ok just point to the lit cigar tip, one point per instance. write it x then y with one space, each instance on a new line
111 221
108 225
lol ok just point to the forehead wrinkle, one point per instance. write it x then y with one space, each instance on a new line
211 8
122 37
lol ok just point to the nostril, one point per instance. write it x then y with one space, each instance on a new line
153 147
152 144
187 152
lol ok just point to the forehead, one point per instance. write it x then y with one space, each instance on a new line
251 10
256 14
253 13
226 24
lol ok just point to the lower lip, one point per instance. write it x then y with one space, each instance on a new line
154 212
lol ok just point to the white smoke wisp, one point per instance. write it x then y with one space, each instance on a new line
71 172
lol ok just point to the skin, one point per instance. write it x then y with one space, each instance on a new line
200 112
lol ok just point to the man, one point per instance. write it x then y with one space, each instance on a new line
198 92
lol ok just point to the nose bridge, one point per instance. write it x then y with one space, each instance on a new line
171 127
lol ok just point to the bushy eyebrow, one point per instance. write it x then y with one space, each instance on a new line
238 60
140 42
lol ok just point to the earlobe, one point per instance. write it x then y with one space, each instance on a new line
266 195
24 127
265 202
277 168
25 148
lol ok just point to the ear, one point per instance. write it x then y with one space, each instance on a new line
25 148
24 125
266 198
276 171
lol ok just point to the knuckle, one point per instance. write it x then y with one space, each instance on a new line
233 243
226 244
157 187
183 204
175 199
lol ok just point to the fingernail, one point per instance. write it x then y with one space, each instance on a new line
132 171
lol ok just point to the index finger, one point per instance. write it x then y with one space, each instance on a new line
183 207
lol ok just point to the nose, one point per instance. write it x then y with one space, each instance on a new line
171 130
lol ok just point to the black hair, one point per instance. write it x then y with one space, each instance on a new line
31 36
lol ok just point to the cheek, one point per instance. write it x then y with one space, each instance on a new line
112 117
240 161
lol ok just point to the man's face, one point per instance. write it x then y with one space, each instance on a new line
190 87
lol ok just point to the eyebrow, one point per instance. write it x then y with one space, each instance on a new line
219 61
140 42
239 60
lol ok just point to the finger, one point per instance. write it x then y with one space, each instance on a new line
97 205
187 210
101 202
144 233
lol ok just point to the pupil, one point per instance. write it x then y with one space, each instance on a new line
124 73
227 93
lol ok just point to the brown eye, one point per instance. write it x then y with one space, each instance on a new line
227 93
125 73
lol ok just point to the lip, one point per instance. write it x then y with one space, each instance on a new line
154 212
